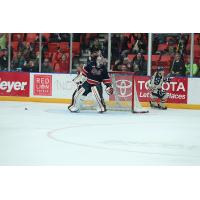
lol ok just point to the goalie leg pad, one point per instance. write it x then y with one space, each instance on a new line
75 106
100 104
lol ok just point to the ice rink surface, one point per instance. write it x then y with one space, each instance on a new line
48 134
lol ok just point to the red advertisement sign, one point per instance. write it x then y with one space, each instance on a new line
42 85
177 89
14 84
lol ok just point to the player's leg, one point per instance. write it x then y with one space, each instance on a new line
163 99
100 89
153 101
98 96
75 105
78 96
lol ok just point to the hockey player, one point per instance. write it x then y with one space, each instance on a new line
95 73
155 86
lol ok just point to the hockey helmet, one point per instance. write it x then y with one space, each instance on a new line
160 68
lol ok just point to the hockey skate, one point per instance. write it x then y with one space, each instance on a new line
157 105
162 106
73 109
154 104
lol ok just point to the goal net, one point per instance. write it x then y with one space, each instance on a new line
124 98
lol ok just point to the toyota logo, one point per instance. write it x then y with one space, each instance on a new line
124 87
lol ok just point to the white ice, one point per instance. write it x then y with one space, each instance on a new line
48 134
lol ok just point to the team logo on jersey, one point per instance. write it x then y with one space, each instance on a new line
124 88
96 72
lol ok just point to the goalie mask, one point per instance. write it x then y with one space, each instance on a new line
100 61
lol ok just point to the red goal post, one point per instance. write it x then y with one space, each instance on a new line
125 95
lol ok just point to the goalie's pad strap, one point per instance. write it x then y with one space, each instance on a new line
97 97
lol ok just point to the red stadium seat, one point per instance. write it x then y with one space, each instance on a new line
145 57
53 47
131 56
155 59
165 60
15 36
196 38
129 45
47 55
14 45
31 37
76 48
196 50
162 47
56 67
64 46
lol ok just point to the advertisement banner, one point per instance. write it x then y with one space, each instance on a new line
52 85
42 85
14 84
177 89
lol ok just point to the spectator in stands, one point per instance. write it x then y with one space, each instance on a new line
59 37
83 42
115 47
139 65
77 37
37 58
178 66
122 64
105 47
183 40
139 44
3 59
54 37
123 68
57 56
46 67
64 37
29 66
18 62
118 63
63 64
3 40
195 68
96 46
124 49
155 43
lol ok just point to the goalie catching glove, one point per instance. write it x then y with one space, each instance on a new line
109 90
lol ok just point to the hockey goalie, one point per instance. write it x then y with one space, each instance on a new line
155 87
90 80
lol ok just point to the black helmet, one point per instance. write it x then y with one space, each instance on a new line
160 68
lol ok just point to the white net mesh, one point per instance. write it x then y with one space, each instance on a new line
125 95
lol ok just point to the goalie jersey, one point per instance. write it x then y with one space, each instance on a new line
96 74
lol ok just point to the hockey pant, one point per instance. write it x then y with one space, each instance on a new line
161 94
81 93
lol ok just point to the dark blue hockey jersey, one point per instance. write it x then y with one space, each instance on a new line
95 75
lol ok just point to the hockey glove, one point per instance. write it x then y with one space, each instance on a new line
109 90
